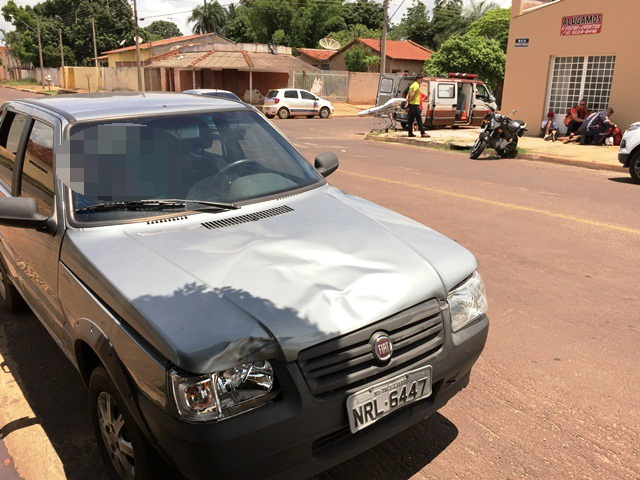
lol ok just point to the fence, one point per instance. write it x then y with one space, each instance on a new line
330 85
353 87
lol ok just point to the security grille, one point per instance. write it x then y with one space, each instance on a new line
574 78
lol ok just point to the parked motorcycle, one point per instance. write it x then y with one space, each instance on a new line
500 133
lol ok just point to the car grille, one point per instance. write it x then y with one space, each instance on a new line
347 362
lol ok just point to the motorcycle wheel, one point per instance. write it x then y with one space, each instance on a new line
510 151
477 149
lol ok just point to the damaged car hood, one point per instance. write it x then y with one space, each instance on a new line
211 291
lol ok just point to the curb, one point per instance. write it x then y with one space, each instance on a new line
22 89
521 156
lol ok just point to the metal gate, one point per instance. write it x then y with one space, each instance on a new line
328 85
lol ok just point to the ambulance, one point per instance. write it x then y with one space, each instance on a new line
457 100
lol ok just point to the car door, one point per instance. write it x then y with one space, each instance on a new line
37 252
12 130
292 101
309 102
480 109
446 103
386 89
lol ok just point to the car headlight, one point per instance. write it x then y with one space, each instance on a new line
467 302
633 127
202 398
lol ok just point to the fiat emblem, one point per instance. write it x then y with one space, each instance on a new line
382 347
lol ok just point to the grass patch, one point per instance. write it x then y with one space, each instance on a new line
11 83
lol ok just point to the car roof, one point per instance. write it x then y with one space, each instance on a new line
207 90
95 106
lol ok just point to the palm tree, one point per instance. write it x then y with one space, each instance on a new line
476 9
448 3
211 17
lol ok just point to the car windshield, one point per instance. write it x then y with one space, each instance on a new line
224 157
272 94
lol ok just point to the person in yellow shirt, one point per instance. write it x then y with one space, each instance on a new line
415 112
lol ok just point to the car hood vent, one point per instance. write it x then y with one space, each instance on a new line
251 217
166 220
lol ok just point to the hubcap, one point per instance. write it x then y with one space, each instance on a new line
116 437
637 168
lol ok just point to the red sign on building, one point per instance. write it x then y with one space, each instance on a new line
581 24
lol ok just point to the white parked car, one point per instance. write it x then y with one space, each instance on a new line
288 102
629 155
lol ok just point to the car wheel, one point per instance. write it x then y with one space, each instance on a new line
324 112
284 113
127 455
269 115
634 167
13 301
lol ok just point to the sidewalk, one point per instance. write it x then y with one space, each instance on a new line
530 148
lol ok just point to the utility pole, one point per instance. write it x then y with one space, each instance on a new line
383 41
95 53
140 77
40 52
64 84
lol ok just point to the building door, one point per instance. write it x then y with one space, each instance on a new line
574 78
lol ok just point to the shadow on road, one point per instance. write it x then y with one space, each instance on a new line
55 393
628 180
400 457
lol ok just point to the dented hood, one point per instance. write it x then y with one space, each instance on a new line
268 285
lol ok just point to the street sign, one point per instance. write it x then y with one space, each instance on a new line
581 24
522 42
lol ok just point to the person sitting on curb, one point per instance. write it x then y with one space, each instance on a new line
596 127
574 120
549 129
414 100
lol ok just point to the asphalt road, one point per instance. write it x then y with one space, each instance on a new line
554 395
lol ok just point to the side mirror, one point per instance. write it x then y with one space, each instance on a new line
326 163
21 212
492 98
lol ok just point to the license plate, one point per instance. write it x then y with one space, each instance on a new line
370 405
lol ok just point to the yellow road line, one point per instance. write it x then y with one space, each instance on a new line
495 203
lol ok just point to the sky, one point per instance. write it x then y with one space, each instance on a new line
170 10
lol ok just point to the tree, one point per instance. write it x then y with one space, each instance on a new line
494 24
414 25
363 12
349 34
164 29
447 20
356 59
208 18
114 24
469 53
478 9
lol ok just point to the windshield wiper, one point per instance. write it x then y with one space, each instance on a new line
159 203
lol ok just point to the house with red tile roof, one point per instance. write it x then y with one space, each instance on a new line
402 56
126 56
318 57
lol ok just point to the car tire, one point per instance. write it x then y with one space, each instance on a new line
634 167
13 301
325 112
269 115
284 113
125 451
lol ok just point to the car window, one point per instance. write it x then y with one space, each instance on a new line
37 168
232 156
10 133
482 93
386 85
446 90
291 94
307 95
272 94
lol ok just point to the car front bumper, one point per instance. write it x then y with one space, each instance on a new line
299 435
623 158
